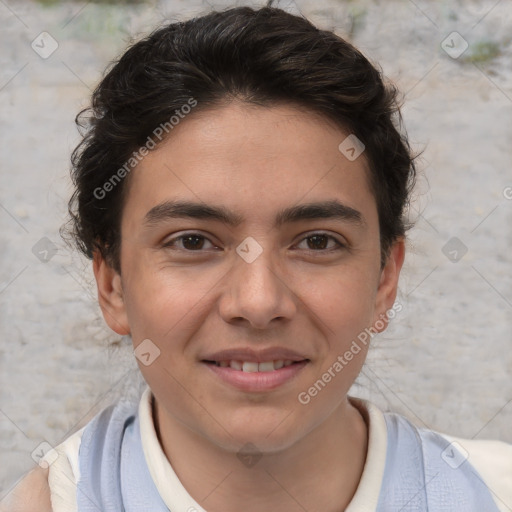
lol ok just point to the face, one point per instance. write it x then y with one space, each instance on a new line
248 238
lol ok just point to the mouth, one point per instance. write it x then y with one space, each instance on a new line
253 366
255 377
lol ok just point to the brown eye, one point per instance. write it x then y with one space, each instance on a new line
190 242
193 242
319 242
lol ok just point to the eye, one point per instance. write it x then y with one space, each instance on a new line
195 242
190 242
317 242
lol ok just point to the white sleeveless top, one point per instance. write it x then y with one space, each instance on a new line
492 459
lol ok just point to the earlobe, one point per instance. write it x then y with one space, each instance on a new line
388 284
110 295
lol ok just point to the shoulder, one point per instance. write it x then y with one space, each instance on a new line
474 472
493 462
50 489
485 453
31 493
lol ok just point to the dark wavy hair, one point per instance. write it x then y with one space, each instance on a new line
260 56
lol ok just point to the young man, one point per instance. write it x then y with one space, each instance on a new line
241 191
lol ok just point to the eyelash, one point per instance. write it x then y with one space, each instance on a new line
339 245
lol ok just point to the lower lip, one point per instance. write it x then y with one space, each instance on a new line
257 381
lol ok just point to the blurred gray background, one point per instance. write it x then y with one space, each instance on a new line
446 360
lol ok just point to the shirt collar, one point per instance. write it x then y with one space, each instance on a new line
176 497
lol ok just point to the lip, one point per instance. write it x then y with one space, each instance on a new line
257 381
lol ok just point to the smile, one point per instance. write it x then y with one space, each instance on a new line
251 376
251 366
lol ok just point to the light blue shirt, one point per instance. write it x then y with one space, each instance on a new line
423 472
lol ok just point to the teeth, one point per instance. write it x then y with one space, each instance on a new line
251 366
236 365
266 367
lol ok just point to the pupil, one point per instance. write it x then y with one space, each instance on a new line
317 237
198 243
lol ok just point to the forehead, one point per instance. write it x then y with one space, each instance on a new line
250 158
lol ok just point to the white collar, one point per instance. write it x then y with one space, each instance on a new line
176 497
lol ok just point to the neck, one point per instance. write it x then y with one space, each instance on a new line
320 472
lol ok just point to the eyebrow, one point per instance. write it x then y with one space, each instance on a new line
331 209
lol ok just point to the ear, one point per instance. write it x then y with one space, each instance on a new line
110 295
388 284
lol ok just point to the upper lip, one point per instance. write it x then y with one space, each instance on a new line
256 356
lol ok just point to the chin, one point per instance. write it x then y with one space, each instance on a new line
256 442
269 431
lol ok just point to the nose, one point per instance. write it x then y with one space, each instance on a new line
257 293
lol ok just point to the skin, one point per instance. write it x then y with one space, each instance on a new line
29 494
297 294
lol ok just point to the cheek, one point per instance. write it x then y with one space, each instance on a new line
343 301
344 305
162 300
